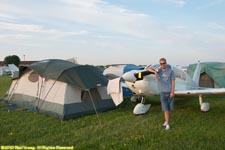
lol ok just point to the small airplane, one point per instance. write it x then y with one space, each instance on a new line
144 83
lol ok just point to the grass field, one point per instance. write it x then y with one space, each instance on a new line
5 82
119 128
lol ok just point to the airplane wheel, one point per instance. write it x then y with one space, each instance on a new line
141 109
205 107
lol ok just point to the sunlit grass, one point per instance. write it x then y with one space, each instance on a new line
5 82
120 129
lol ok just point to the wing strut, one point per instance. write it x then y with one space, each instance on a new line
200 100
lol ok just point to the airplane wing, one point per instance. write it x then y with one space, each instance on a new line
200 91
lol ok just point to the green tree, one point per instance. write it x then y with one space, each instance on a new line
12 59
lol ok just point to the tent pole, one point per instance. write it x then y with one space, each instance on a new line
47 94
39 95
94 105
10 93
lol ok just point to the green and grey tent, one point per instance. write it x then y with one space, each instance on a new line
60 88
212 74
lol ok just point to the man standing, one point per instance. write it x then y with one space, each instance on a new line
166 79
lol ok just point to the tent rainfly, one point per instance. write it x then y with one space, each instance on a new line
61 89
212 74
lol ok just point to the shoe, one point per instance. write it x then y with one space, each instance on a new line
164 124
167 127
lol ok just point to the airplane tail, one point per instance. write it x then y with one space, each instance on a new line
197 73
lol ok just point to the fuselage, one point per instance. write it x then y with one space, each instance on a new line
149 84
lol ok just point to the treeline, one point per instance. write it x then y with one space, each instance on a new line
12 59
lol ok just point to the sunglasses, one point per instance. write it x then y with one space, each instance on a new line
162 63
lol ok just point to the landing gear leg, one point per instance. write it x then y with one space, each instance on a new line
203 105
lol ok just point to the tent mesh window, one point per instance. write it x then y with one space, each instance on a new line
206 81
33 77
85 96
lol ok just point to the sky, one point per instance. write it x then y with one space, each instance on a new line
101 32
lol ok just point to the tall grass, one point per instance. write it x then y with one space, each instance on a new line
120 129
5 82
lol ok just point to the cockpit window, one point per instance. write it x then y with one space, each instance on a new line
179 73
156 66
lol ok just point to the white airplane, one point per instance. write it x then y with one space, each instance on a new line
144 83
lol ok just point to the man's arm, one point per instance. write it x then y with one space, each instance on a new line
172 89
155 71
151 70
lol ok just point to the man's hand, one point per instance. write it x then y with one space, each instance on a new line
171 94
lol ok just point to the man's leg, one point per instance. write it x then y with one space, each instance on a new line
167 119
167 116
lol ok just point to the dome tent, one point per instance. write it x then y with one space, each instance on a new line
60 88
212 74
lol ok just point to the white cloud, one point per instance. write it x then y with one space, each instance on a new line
97 25
178 3
31 30
109 18
20 27
6 7
94 13
11 37
6 18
